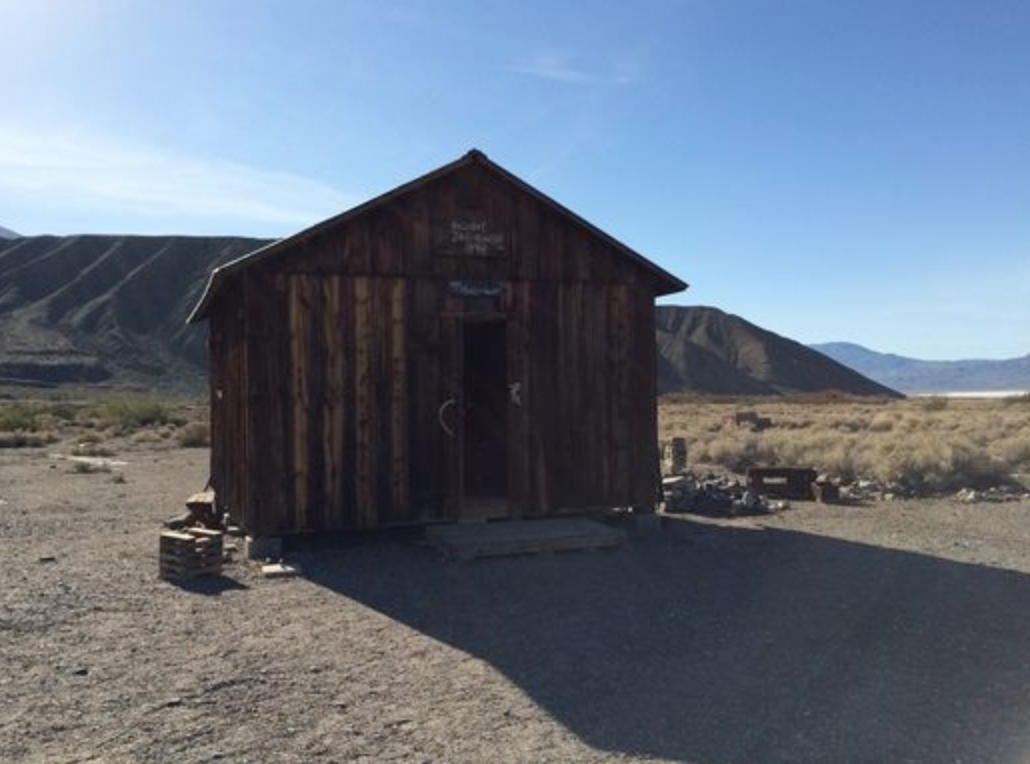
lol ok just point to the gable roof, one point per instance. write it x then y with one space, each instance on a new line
667 283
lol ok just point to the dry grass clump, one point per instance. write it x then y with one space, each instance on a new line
934 403
194 435
130 413
19 417
95 417
25 426
148 436
88 468
91 448
1013 451
924 445
26 439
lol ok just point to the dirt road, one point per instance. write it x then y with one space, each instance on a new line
893 633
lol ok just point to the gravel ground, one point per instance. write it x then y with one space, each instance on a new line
890 633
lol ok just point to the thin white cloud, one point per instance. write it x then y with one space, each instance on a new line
556 67
86 171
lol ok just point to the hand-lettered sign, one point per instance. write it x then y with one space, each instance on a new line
470 235
482 288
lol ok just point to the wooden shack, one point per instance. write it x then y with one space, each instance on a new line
460 348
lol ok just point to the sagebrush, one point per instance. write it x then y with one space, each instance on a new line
926 444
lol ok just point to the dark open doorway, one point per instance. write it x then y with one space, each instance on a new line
485 421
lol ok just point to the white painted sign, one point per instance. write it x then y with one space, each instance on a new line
471 236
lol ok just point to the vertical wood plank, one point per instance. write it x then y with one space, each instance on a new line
620 397
298 323
383 351
399 400
645 457
350 412
333 410
266 347
364 400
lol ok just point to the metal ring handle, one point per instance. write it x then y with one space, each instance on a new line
440 415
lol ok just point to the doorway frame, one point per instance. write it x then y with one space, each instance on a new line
459 505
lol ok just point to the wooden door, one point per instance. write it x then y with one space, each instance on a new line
484 420
473 417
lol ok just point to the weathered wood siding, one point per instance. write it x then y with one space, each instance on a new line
334 358
229 401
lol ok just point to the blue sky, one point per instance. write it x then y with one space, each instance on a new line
828 169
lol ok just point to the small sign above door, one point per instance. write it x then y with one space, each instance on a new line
482 288
470 235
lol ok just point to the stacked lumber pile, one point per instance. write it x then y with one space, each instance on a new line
190 552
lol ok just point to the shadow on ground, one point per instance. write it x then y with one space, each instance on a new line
730 645
211 586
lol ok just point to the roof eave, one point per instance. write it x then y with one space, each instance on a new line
666 282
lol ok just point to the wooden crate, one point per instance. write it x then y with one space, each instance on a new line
190 552
782 482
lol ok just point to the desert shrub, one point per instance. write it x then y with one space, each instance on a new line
967 443
19 417
91 448
882 421
735 453
147 436
933 463
131 413
26 439
934 403
1014 452
909 423
839 460
194 435
850 423
64 410
88 468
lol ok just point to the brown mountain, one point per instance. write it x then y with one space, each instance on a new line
704 350
86 309
93 308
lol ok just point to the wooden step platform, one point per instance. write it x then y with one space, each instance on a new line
468 541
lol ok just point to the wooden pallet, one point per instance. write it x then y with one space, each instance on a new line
466 542
190 552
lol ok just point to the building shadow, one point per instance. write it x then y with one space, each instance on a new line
210 586
722 645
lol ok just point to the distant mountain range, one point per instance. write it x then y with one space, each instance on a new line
7 233
112 309
911 375
704 350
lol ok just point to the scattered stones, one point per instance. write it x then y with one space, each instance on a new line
865 491
968 496
716 495
994 494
